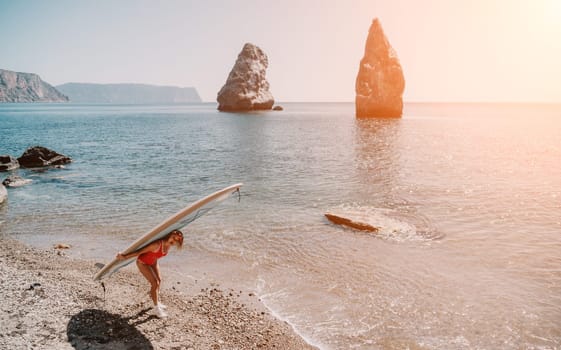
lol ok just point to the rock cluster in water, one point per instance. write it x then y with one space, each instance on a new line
246 88
38 156
380 82
27 87
33 157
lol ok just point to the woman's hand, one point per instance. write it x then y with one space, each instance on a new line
120 256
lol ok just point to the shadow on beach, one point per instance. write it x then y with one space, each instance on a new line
98 329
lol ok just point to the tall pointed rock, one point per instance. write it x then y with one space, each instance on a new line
247 88
380 82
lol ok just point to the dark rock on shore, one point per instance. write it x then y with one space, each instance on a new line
37 156
246 88
27 87
380 82
278 108
8 163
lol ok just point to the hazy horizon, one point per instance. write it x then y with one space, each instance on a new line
494 51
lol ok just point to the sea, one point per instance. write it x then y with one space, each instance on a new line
466 199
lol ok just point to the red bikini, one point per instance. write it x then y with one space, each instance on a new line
150 258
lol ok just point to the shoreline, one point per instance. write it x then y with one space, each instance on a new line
51 301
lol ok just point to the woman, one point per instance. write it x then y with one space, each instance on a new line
147 263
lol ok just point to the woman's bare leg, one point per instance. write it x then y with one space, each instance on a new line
156 270
149 274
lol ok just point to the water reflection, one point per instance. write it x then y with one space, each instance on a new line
379 166
377 156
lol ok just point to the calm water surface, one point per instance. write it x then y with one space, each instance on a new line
467 198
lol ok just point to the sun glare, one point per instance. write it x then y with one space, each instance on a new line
552 14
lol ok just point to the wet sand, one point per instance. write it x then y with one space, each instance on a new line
49 301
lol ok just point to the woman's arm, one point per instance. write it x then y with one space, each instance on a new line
152 247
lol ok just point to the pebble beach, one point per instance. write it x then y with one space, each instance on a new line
50 301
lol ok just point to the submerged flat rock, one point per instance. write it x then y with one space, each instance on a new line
352 223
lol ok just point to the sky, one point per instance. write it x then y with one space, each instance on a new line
450 50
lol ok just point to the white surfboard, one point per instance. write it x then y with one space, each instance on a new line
175 222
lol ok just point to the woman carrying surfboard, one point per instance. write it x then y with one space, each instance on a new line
147 262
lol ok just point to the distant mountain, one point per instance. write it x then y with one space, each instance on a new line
128 93
27 87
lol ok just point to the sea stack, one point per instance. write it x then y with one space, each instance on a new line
246 88
380 82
